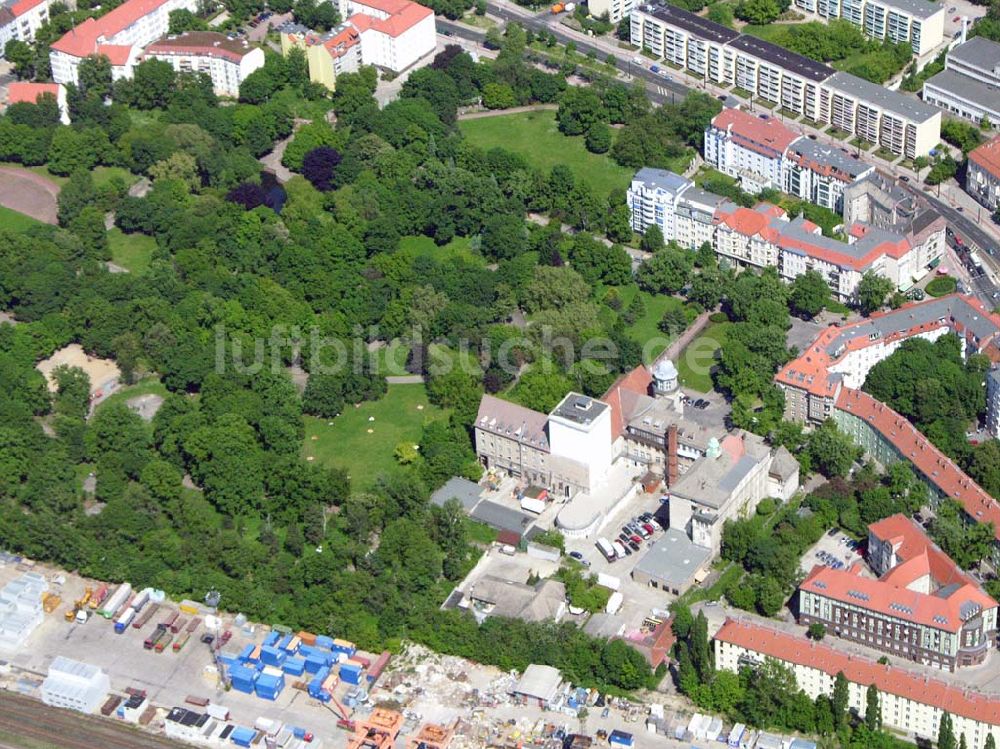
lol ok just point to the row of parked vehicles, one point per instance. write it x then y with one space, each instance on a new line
631 537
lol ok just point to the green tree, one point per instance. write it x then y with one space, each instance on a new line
809 294
21 56
667 272
94 76
873 709
817 631
182 20
990 742
72 391
946 733
598 138
498 96
652 239
579 109
840 699
872 292
830 450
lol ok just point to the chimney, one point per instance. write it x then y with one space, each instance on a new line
671 455
965 29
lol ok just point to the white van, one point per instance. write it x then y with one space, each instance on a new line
605 547
620 549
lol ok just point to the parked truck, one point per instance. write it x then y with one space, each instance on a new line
154 637
162 643
122 622
98 596
141 599
169 621
178 624
181 641
115 601
193 625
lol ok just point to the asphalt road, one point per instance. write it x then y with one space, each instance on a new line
39 725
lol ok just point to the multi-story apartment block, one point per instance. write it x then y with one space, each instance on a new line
876 199
616 10
920 24
328 55
993 402
823 383
763 153
119 35
764 236
923 607
749 148
909 702
982 177
226 61
820 174
766 71
20 19
969 86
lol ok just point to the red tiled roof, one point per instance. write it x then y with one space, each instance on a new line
886 678
22 7
84 38
937 467
987 156
636 382
892 599
20 92
744 220
767 137
117 54
339 43
907 538
402 15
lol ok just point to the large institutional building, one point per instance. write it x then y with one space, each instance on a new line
764 236
969 85
717 54
824 381
923 607
20 19
909 702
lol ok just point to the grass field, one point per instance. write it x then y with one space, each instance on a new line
459 247
149 386
100 174
536 136
132 251
696 360
15 221
345 442
646 329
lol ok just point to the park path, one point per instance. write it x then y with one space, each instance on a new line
404 379
29 193
480 114
674 349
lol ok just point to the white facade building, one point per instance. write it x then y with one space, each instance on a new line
982 179
900 124
73 685
394 33
916 22
119 35
682 211
749 148
21 609
910 702
20 20
969 86
226 61
616 10
993 403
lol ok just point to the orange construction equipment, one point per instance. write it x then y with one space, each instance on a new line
378 731
432 736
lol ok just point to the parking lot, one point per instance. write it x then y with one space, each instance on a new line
832 551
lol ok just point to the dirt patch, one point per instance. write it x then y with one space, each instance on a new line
103 373
145 405
29 193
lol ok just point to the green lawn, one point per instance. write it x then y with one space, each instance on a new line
345 441
646 329
148 386
536 136
132 251
696 360
459 247
104 174
15 221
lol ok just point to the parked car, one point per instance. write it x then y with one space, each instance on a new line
644 530
634 546
635 539
832 532
654 68
648 527
576 555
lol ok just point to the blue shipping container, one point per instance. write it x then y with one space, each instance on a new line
315 663
241 685
245 653
271 639
272 656
243 736
322 641
350 677
285 642
294 666
621 738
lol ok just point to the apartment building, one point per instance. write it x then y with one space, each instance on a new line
615 10
922 608
394 33
898 123
25 92
684 213
327 55
750 148
993 403
982 177
909 702
226 61
878 200
120 35
820 173
969 86
915 22
20 19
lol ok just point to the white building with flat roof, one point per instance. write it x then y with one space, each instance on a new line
226 61
615 10
917 22
969 86
73 685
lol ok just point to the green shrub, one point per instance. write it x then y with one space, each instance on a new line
941 286
718 317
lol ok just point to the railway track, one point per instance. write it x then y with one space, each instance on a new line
40 725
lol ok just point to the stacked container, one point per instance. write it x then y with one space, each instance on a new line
316 690
294 666
343 646
350 672
242 678
272 656
268 685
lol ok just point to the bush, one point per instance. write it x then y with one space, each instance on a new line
718 317
941 286
766 507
